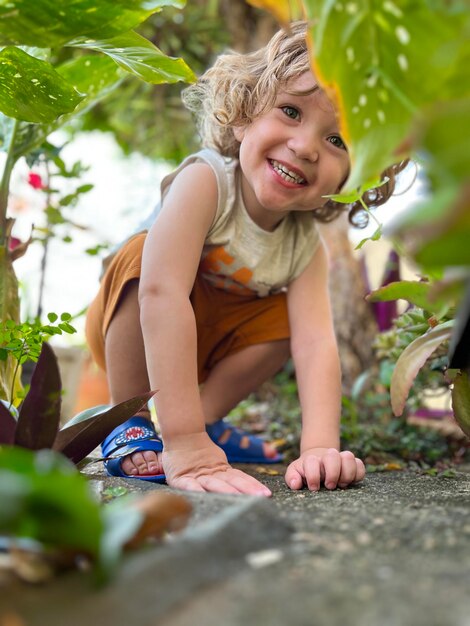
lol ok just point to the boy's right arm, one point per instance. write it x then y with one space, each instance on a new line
170 261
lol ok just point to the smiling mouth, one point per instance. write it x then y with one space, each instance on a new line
287 174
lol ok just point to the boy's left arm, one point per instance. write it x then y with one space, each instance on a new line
315 355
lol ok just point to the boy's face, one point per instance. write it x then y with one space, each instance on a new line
292 155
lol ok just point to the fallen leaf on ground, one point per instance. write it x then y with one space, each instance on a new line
268 470
162 513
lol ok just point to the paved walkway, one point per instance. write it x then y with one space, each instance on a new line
394 551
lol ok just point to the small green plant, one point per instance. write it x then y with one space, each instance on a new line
35 425
24 341
420 334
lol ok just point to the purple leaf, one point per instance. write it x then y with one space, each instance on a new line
7 426
77 441
39 417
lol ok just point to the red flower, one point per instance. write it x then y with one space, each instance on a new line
13 243
35 181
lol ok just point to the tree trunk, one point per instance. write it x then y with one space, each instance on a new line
355 323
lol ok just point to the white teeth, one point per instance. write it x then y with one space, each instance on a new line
287 174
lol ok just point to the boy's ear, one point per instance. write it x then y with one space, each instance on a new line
239 132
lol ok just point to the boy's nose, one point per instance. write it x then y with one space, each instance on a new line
304 146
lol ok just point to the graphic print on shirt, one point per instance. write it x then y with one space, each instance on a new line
222 270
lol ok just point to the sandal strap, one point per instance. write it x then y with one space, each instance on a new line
134 431
253 453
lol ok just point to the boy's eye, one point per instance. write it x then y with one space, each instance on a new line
337 141
291 112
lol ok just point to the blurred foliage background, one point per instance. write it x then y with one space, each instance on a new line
149 118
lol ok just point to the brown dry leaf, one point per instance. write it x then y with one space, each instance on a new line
31 567
162 513
267 470
392 467
11 619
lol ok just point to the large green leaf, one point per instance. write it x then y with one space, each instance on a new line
451 245
52 23
461 401
373 58
437 232
44 498
443 135
95 76
411 361
141 57
31 90
417 293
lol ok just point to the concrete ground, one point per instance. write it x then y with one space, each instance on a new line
393 551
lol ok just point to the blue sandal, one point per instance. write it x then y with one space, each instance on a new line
137 434
231 444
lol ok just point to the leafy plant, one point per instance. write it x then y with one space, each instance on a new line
38 94
23 342
427 333
37 425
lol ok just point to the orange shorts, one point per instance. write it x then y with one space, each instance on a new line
226 322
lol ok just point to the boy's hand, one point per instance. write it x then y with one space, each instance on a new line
194 463
327 466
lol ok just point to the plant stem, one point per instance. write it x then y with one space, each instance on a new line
15 374
369 212
5 183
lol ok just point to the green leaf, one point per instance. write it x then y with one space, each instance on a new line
461 401
140 57
374 237
44 498
65 317
417 293
354 196
381 52
31 90
91 75
67 328
445 242
115 492
436 233
49 24
84 188
52 317
443 134
412 359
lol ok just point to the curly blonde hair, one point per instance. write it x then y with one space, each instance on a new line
238 88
